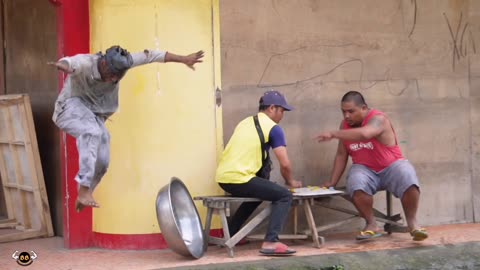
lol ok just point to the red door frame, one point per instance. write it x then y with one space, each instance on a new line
73 37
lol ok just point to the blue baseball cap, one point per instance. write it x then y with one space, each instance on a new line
273 97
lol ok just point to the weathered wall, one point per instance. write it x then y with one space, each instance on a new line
415 60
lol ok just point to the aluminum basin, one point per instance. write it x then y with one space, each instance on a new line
179 220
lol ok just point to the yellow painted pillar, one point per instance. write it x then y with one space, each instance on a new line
168 123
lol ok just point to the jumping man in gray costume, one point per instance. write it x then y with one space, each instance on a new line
89 96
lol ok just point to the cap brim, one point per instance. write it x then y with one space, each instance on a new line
288 107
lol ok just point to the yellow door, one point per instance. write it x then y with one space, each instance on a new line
168 123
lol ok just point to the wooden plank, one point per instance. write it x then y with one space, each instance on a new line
32 167
295 219
252 224
10 100
40 197
11 223
7 220
215 204
22 204
208 222
7 196
19 187
20 235
25 184
12 142
25 220
8 225
7 126
226 232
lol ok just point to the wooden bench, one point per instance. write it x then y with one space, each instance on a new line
221 205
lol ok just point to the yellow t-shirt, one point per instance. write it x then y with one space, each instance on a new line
242 157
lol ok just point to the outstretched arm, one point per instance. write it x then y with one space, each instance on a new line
189 60
372 129
62 65
152 56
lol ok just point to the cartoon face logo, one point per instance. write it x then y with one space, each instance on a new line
24 258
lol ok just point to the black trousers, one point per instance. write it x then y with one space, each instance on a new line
266 190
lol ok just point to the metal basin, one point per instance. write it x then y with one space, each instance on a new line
179 220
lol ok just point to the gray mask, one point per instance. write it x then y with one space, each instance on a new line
118 60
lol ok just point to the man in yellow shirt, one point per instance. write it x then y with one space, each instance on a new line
244 169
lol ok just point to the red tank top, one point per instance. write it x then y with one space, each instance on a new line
372 153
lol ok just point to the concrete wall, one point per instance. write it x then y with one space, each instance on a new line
415 60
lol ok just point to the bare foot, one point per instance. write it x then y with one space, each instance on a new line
85 199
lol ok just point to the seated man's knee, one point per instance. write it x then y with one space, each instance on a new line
411 190
286 196
359 193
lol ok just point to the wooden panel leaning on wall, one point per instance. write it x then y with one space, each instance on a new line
25 197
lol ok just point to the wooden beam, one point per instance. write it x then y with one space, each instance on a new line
8 223
17 236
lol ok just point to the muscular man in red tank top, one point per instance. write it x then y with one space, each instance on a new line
367 135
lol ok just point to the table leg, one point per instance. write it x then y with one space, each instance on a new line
295 220
226 232
311 223
208 223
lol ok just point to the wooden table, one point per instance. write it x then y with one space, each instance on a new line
306 197
221 205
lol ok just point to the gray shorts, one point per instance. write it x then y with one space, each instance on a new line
396 178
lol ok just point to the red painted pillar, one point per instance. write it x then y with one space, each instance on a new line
73 32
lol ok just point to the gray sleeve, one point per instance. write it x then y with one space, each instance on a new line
75 63
148 56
